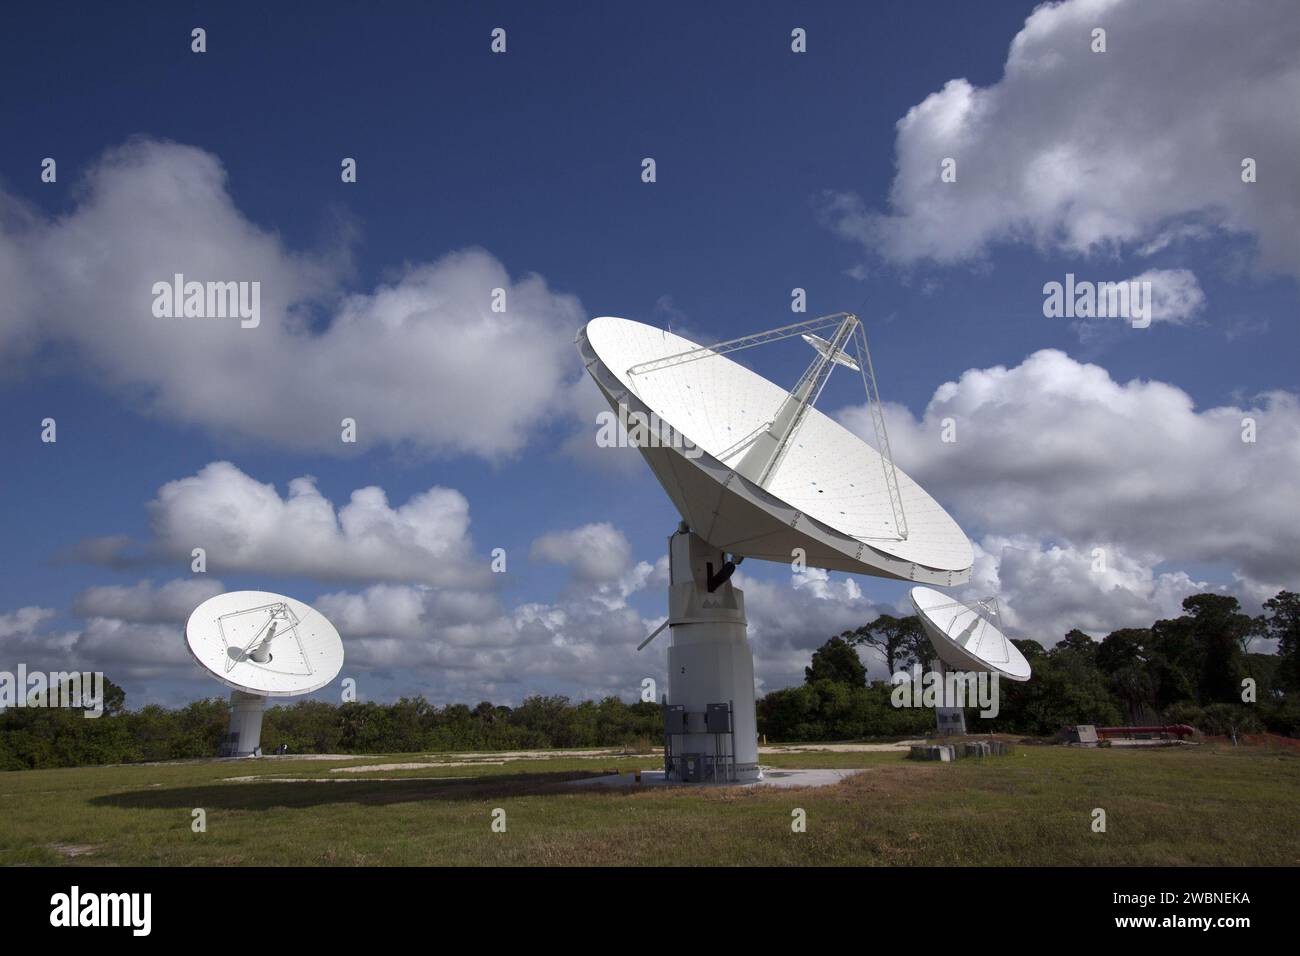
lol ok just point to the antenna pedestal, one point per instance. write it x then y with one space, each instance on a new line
711 729
245 737
951 720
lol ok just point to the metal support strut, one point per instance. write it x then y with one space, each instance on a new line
759 454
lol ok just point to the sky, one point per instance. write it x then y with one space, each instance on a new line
1103 470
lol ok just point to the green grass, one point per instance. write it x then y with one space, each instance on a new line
1192 805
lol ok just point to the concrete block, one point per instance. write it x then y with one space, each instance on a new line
941 752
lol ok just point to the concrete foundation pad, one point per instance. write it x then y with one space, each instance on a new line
895 746
771 778
946 753
1122 742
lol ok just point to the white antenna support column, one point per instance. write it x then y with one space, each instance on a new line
709 659
951 720
246 721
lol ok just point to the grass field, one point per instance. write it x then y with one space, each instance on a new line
1212 804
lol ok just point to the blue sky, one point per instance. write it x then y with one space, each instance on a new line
533 157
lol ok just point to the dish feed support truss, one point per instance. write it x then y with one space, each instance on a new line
759 454
280 619
977 627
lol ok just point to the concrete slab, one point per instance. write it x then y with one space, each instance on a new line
894 746
1128 742
275 778
771 778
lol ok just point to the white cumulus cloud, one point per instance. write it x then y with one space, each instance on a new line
420 361
1085 152
1057 450
171 603
246 525
596 552
1176 294
1046 590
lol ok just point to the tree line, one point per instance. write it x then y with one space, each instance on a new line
1197 668
34 738
1188 669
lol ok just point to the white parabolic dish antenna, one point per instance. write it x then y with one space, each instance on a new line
968 636
756 471
300 650
262 645
831 493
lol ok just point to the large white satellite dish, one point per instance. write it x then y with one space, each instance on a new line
756 471
261 645
773 473
968 636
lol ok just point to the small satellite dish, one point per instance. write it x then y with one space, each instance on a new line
968 636
261 645
756 471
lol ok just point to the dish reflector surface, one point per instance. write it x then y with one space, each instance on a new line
965 639
225 632
829 496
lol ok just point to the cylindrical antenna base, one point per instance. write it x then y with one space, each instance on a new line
710 669
245 737
951 720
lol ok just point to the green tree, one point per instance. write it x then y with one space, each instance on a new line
1220 631
1122 657
792 713
1080 643
1282 623
837 660
900 640
1126 647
